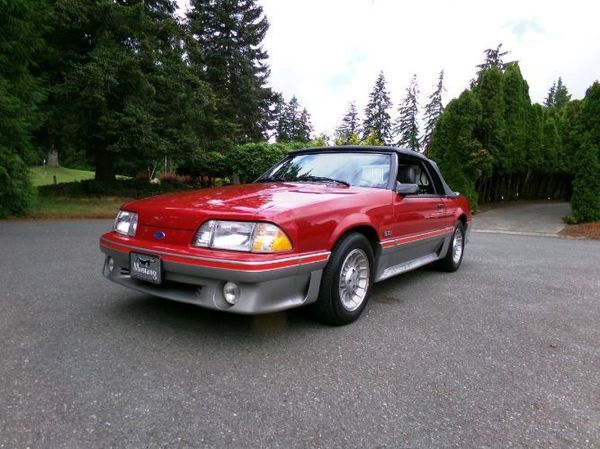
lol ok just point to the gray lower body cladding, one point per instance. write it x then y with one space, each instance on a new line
260 292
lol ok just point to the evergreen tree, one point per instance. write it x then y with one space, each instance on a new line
377 117
549 101
124 92
561 96
569 135
232 60
304 127
350 125
535 124
20 93
494 57
517 105
407 124
490 129
433 110
586 186
550 144
293 123
460 156
558 95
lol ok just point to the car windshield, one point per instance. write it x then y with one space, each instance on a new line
354 169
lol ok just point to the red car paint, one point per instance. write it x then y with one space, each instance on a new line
314 216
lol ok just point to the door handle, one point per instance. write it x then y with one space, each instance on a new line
440 206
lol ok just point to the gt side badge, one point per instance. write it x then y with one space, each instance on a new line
387 233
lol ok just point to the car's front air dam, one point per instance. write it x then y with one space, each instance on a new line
260 291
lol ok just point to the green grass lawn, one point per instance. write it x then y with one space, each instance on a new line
41 176
63 207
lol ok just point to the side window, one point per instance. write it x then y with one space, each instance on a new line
434 177
415 173
424 182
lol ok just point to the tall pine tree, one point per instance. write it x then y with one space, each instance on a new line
293 124
561 96
433 110
377 118
124 92
558 95
350 125
549 101
407 124
234 63
494 59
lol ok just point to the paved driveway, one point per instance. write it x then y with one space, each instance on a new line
527 217
503 353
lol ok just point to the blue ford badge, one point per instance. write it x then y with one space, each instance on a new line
159 235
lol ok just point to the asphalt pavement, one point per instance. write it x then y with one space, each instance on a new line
524 217
504 353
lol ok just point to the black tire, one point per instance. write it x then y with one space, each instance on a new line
329 307
450 263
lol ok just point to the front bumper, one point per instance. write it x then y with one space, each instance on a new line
264 287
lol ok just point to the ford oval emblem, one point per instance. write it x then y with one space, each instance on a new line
159 235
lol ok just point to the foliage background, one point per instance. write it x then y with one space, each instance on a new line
130 87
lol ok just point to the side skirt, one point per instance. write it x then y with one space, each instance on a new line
407 266
418 262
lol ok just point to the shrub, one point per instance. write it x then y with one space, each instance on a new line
16 191
585 202
253 159
126 188
172 178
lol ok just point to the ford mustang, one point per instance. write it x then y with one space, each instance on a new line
318 229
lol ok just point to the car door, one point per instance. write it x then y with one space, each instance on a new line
419 219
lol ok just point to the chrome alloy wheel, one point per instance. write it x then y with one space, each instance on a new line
457 245
354 279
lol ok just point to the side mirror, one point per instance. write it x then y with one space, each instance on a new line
406 189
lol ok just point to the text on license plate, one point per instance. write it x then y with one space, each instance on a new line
145 267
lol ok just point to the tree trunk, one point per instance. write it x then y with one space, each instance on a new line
105 166
53 158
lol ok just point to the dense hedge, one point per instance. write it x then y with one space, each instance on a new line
126 188
248 161
586 187
251 160
493 144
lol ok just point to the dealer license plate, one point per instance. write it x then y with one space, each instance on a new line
145 267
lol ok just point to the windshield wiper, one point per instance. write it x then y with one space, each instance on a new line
311 178
273 179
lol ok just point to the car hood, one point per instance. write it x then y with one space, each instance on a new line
259 201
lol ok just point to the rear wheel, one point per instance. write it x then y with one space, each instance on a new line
346 281
455 252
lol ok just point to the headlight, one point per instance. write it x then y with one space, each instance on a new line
242 236
126 223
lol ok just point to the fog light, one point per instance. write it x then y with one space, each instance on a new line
111 264
231 292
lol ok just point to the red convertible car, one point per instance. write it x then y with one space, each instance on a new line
318 229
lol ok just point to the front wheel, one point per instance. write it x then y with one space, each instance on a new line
346 281
455 252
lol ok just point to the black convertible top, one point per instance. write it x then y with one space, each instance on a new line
406 152
368 148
